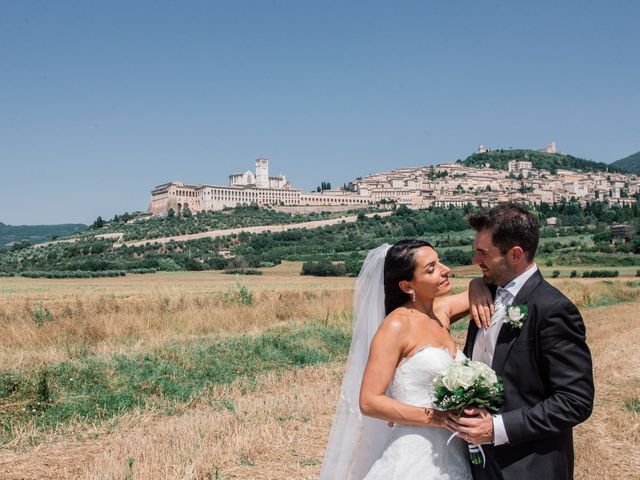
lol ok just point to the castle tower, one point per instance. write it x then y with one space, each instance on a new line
262 173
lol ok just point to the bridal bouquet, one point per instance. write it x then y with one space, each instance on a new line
464 384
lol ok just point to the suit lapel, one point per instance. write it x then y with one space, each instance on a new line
471 339
508 334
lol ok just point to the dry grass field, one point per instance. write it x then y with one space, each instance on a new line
273 426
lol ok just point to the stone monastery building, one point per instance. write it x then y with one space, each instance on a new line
245 189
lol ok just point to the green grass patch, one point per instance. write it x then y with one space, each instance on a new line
633 405
92 389
460 326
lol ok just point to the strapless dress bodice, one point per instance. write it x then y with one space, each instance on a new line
421 452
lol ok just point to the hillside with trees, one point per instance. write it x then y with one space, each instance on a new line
138 226
10 234
446 228
631 163
547 161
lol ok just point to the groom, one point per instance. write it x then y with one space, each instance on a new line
544 363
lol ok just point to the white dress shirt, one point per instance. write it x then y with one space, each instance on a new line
484 345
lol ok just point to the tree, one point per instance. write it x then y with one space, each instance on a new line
99 223
602 237
323 186
186 212
171 213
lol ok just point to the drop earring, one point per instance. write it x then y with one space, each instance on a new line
413 297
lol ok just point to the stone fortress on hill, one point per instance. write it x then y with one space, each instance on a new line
416 187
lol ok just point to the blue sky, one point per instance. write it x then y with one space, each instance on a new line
102 100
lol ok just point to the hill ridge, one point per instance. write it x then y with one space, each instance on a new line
540 160
630 163
36 233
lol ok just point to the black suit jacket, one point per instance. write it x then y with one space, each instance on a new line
548 386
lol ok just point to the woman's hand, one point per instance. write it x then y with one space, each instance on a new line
481 306
432 417
437 418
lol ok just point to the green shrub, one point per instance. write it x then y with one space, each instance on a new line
73 274
600 273
602 237
574 274
41 315
142 271
353 266
242 295
245 297
324 268
456 256
243 271
555 274
168 265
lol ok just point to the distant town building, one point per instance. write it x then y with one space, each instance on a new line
246 189
440 185
520 167
622 232
551 148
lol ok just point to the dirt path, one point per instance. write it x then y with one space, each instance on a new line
225 232
258 229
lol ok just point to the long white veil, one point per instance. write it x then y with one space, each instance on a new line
356 441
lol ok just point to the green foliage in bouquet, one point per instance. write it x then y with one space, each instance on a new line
468 384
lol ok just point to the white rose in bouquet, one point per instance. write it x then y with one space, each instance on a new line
467 375
450 376
487 373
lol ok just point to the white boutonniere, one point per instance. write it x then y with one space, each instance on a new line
516 315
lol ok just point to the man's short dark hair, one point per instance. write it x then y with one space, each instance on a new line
510 225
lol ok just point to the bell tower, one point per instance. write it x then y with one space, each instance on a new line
262 173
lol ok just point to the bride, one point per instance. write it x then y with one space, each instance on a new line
390 370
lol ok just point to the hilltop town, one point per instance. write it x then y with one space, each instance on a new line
442 185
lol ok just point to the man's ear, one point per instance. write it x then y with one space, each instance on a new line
406 286
516 254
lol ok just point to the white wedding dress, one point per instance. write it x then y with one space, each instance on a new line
415 452
364 447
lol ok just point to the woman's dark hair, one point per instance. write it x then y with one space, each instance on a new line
399 264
